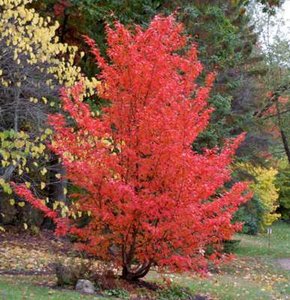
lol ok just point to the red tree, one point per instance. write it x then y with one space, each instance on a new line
152 200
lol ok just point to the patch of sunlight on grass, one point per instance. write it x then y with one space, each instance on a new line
277 245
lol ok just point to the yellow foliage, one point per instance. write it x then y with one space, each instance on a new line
16 149
264 187
34 37
33 64
29 43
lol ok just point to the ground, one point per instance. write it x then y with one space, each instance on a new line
285 263
260 271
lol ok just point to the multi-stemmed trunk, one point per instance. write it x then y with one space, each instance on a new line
131 271
133 274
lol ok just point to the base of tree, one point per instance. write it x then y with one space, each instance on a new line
135 274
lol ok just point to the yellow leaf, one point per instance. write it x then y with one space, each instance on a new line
12 202
63 213
21 204
42 185
43 171
41 148
19 143
48 131
27 184
5 155
55 205
25 226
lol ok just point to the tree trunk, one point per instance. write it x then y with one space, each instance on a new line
16 110
137 273
57 185
64 25
283 135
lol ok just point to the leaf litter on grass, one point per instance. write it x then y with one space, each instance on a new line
257 277
23 253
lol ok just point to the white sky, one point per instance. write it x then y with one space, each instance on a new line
286 9
283 15
277 25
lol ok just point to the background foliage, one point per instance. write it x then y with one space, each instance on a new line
42 48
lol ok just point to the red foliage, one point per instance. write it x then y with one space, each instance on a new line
275 105
152 199
272 110
61 223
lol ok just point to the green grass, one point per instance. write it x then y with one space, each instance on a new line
254 275
277 245
24 290
227 287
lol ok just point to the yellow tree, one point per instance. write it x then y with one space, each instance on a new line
33 66
263 185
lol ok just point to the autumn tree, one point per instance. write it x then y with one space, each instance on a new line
226 37
33 67
263 185
150 199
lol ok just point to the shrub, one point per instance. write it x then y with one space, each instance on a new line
251 214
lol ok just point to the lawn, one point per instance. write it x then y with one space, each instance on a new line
15 290
277 245
254 274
